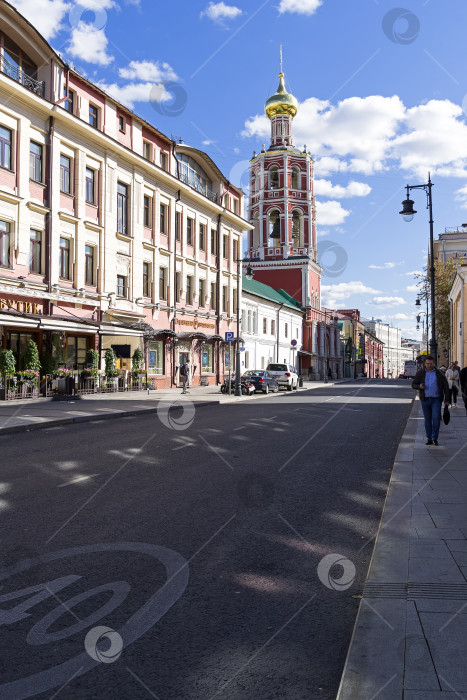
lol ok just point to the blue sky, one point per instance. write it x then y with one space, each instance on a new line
383 99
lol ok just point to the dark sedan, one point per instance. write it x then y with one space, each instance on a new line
262 380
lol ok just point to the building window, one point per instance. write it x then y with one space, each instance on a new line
93 116
156 357
5 240
201 292
147 211
178 225
69 103
121 286
89 265
286 330
213 301
225 247
207 359
235 250
295 178
122 208
202 237
235 300
65 174
121 123
90 186
35 161
225 299
146 280
65 258
265 325
5 147
35 251
273 327
163 218
163 283
177 286
147 150
226 201
189 231
273 178
189 291
213 241
164 160
235 206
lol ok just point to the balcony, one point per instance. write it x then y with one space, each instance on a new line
16 73
198 186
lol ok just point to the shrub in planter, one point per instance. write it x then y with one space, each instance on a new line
63 372
29 375
31 357
110 359
7 365
48 362
92 358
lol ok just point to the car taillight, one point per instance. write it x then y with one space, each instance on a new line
287 374
261 380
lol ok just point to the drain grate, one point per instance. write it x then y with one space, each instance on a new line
412 591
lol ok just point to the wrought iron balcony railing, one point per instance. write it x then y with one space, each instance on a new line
198 187
16 73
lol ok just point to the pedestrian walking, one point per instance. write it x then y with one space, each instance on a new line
452 375
184 371
434 388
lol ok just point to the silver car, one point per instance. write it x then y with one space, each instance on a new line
285 374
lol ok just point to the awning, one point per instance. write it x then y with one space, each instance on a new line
106 329
165 331
194 335
215 337
307 354
9 320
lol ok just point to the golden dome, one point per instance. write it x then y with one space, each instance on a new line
281 102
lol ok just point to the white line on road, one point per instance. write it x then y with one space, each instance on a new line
190 444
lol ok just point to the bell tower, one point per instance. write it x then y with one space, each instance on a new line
282 248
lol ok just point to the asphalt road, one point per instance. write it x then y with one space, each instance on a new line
214 553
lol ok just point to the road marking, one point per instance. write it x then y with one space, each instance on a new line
77 480
190 444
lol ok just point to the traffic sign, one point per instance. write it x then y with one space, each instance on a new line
293 343
229 336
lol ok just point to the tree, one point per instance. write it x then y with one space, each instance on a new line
7 365
137 361
31 357
92 358
445 273
110 359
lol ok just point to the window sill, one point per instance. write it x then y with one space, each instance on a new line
38 182
8 170
92 204
123 236
67 194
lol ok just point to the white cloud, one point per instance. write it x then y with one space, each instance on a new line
330 213
387 301
401 317
334 294
301 7
89 44
384 266
148 70
413 273
353 189
219 12
46 15
371 134
412 288
461 196
135 92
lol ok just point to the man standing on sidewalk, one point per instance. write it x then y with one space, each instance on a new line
185 376
433 388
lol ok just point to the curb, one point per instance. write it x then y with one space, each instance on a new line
370 647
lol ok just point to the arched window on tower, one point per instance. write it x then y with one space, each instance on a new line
274 223
295 178
256 236
273 178
297 228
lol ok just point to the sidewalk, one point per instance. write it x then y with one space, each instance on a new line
32 414
410 636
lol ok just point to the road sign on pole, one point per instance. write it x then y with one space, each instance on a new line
229 336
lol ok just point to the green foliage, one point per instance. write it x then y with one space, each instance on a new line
48 362
31 357
92 358
137 361
110 362
7 364
445 273
59 349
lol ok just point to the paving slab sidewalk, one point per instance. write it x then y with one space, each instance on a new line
33 414
410 636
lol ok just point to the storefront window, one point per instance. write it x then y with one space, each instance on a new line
156 357
18 343
207 359
76 351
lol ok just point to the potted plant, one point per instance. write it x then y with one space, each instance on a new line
7 369
32 366
65 381
137 370
111 371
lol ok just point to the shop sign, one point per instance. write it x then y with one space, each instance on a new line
194 323
27 307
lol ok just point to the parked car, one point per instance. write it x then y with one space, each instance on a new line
261 380
285 375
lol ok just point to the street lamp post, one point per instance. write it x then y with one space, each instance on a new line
407 214
249 276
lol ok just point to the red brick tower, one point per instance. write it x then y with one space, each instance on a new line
282 246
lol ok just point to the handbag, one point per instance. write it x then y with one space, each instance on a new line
446 415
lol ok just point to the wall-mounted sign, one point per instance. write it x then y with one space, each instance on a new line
27 307
194 323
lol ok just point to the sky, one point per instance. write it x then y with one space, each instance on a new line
382 94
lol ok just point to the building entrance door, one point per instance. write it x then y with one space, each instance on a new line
183 357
